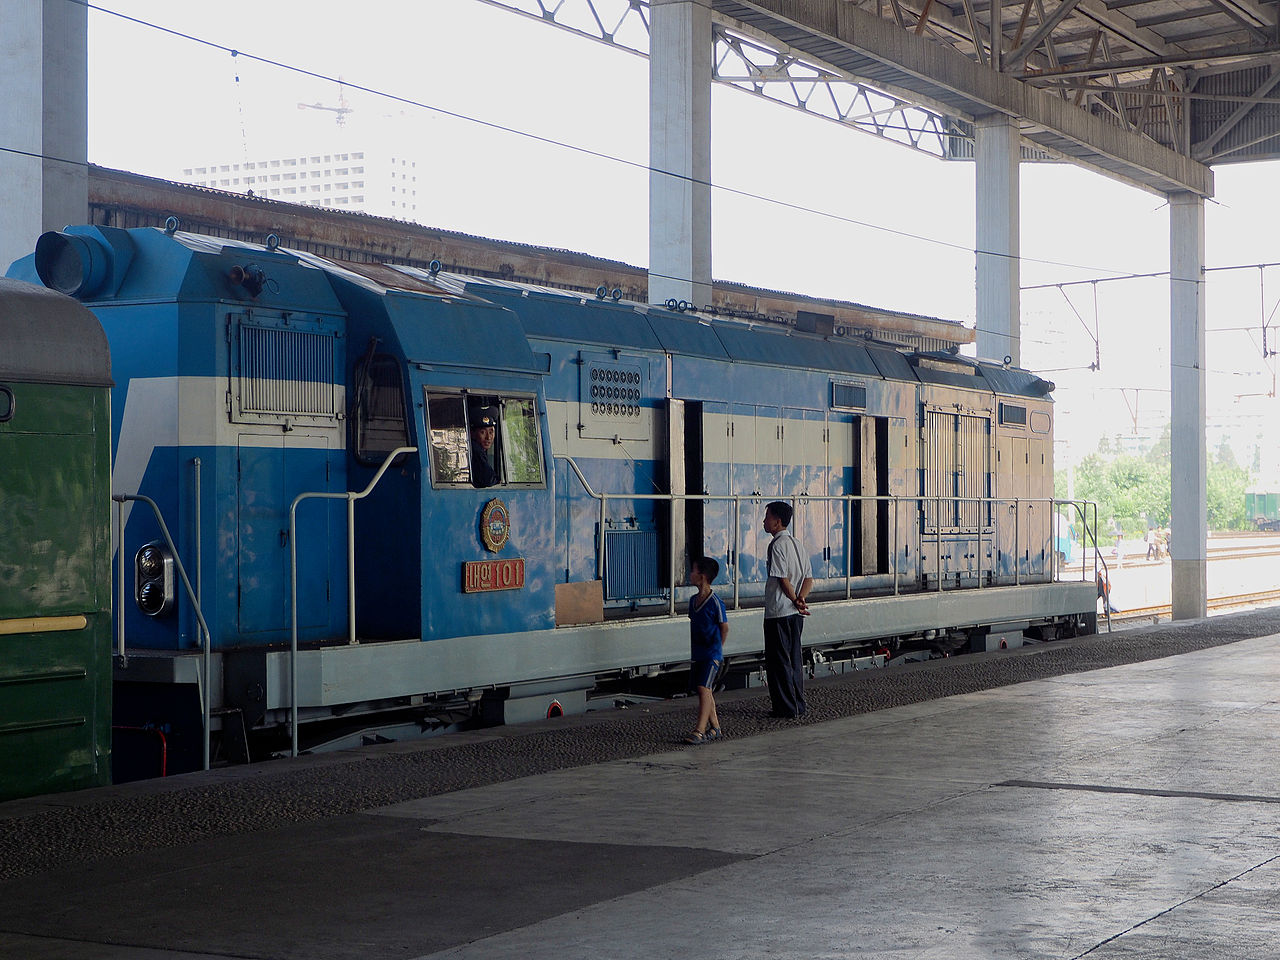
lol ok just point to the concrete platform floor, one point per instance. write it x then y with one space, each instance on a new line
1129 812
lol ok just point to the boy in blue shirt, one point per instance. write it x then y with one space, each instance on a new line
708 629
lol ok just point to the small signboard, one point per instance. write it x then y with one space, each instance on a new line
479 576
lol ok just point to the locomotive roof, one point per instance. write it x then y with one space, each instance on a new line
640 326
543 314
1012 380
50 338
957 371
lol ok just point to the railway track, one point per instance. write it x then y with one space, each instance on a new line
1215 604
1136 559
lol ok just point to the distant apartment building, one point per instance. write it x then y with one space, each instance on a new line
378 183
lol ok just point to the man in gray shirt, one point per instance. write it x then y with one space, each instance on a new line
784 611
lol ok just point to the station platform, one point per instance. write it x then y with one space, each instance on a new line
1113 797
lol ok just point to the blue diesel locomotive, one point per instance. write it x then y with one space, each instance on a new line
355 495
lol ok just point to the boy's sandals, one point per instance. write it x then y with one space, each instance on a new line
695 737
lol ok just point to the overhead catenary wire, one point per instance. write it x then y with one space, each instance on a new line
746 194
586 151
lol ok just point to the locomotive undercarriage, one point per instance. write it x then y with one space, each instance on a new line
251 712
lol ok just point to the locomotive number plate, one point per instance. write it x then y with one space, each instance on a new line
479 576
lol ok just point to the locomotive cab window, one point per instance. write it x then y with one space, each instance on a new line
447 428
483 440
524 453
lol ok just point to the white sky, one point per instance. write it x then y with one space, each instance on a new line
159 103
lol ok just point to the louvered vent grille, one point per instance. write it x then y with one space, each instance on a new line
284 374
631 564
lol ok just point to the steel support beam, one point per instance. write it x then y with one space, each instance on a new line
915 65
1189 524
996 153
44 175
680 151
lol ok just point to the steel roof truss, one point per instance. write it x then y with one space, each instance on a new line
1022 24
1204 151
1252 14
1124 27
791 80
1050 50
1041 34
974 32
933 115
1115 107
1093 51
587 18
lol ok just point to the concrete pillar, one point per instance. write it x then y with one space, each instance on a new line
44 73
997 151
1189 525
680 52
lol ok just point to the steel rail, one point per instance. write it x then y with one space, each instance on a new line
1157 611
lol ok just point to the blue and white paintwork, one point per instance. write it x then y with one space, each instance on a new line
239 372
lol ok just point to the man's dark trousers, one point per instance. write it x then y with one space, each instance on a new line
784 664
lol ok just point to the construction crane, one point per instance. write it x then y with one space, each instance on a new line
342 109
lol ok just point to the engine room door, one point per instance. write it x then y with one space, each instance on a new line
1013 455
717 515
804 474
755 451
270 475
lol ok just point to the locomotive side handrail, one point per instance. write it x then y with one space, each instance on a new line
121 498
895 501
1090 534
351 497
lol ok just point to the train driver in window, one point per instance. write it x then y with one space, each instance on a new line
484 447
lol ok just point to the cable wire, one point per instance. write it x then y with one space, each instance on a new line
746 194
586 151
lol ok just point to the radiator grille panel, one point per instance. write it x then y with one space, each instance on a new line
631 564
283 373
957 448
286 372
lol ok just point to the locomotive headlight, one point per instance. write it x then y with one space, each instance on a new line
151 560
153 579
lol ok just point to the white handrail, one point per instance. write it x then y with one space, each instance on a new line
848 499
351 497
120 498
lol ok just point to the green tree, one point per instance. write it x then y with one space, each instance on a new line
1136 490
1225 487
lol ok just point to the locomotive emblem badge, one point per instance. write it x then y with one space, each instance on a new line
495 525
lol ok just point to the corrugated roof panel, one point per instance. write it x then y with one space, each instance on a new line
756 344
554 316
892 364
459 334
1015 382
686 337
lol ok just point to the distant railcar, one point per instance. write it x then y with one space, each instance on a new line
308 432
55 564
1263 509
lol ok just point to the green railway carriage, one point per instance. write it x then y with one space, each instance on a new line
55 543
1263 509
